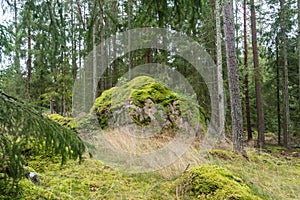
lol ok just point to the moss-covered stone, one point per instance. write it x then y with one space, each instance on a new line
64 121
145 100
212 182
102 107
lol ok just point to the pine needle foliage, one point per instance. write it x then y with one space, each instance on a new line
21 127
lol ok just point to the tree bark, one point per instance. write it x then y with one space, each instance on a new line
286 110
129 40
233 79
278 94
115 62
17 49
80 14
74 46
259 105
221 116
95 78
102 46
29 59
247 98
51 105
298 3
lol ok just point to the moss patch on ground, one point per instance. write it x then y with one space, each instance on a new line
271 176
89 180
213 182
225 176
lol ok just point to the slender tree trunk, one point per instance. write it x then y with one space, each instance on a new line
247 98
95 78
17 50
51 105
114 64
259 105
148 56
286 110
129 40
278 94
74 45
102 46
221 116
298 3
233 79
29 59
64 62
64 105
80 14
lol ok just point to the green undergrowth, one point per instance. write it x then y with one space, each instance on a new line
224 176
269 175
64 121
90 180
213 182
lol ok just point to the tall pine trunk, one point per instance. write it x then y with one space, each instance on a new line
17 50
298 3
95 77
129 40
233 79
221 115
286 110
29 59
115 29
247 98
259 105
278 94
103 78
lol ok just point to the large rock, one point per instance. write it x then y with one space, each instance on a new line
144 102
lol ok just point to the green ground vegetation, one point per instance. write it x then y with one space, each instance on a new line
224 176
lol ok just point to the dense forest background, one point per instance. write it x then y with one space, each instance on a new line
44 46
44 43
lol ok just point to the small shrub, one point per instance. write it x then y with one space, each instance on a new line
64 121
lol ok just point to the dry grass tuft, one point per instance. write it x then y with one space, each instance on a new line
169 159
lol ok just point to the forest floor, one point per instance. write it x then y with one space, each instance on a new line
269 173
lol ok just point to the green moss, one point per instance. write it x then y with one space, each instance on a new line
94 180
89 180
213 182
274 148
224 154
64 121
134 96
154 91
102 107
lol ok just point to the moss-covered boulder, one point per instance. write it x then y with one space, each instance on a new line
212 182
146 102
64 121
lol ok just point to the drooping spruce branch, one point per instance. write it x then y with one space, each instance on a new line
21 125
